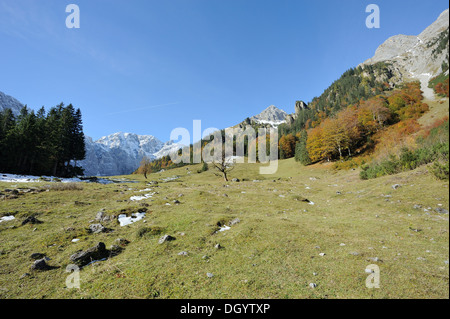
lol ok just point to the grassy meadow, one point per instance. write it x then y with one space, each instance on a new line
281 245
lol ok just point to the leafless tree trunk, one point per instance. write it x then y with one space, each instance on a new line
224 167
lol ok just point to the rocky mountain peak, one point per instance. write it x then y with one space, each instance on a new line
271 115
417 57
8 102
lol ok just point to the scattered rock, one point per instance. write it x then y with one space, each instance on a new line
354 253
441 210
24 275
236 180
210 275
97 228
115 250
322 254
176 202
31 220
121 242
166 238
40 264
218 246
374 259
234 222
183 253
312 285
396 186
421 258
102 217
97 252
37 256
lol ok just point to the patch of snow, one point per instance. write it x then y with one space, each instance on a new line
172 178
6 218
124 220
14 178
224 228
139 198
272 123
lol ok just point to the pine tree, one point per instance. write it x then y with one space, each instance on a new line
301 152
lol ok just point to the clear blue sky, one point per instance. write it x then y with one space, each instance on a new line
147 67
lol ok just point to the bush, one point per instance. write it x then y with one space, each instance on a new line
204 168
440 170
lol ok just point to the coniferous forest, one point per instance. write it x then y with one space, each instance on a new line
42 143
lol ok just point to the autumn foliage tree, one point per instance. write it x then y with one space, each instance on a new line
351 128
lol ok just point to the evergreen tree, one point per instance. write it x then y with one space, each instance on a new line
301 152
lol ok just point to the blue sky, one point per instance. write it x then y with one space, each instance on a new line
147 67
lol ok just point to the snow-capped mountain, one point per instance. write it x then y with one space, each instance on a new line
121 153
271 115
8 102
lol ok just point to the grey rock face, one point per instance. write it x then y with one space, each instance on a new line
289 119
122 153
415 57
8 102
300 106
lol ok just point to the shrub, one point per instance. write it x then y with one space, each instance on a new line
440 170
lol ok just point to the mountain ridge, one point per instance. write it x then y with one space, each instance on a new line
9 102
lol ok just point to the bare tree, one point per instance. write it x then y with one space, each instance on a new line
224 166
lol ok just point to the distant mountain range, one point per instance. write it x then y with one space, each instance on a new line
121 153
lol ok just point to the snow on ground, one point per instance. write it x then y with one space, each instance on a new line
224 228
124 220
272 123
6 218
139 198
13 178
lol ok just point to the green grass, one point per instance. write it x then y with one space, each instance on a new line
271 253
